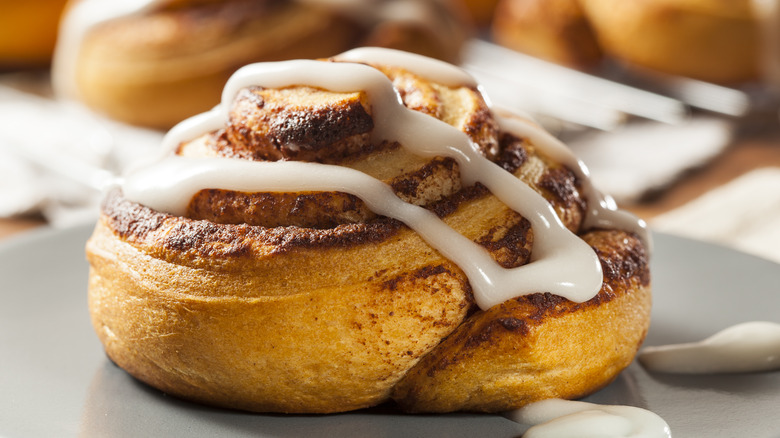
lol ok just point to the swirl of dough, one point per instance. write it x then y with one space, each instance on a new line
299 253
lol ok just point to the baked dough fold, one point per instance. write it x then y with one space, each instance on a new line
310 303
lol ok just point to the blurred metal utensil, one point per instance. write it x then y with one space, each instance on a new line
563 92
697 94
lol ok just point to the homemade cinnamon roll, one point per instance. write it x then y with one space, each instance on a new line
340 233
156 62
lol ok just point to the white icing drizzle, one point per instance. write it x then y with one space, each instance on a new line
747 347
602 210
171 183
445 73
556 418
555 246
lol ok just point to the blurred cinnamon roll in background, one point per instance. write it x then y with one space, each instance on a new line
480 11
712 40
156 62
556 30
28 32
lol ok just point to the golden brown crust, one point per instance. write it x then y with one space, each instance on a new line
296 344
382 301
298 123
308 302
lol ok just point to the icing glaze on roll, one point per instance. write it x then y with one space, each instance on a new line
169 184
602 210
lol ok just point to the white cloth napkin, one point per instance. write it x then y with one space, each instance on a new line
643 157
743 214
53 155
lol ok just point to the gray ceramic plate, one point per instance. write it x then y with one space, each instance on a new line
56 382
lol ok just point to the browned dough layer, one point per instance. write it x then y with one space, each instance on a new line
308 302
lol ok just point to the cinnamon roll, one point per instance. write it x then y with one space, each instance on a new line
712 40
156 62
340 233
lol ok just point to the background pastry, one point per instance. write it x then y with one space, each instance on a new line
156 62
28 31
556 30
480 11
307 273
712 40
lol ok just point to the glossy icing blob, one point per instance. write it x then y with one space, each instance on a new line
556 418
747 347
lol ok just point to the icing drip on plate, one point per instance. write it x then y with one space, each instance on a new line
747 347
169 184
556 418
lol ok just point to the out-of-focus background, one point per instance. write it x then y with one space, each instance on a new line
673 105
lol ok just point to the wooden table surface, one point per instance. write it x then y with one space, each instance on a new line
9 227
740 158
